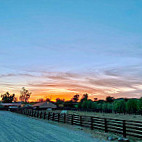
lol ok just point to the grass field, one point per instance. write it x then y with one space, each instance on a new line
107 115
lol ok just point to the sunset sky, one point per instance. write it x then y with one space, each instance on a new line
57 48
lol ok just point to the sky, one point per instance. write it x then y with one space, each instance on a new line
58 48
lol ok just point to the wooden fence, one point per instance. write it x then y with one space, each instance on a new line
123 127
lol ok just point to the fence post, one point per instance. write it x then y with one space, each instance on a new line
32 112
92 123
48 115
58 117
80 120
64 118
124 128
44 115
105 125
37 114
72 119
53 116
41 115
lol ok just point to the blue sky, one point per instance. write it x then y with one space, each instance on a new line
77 44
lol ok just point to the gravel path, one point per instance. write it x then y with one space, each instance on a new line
19 128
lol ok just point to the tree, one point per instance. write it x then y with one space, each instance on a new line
25 95
75 98
109 99
95 99
89 104
7 98
69 104
109 107
83 101
79 105
131 106
84 104
48 100
139 105
101 101
119 106
84 97
100 106
59 101
104 107
94 105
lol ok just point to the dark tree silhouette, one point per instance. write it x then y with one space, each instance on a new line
25 95
84 97
75 98
109 99
59 101
95 99
48 99
7 98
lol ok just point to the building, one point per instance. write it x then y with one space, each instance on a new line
11 105
44 105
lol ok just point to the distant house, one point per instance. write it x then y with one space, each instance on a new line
44 105
27 106
11 105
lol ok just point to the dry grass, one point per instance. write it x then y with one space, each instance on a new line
107 115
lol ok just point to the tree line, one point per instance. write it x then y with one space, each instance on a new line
109 105
9 98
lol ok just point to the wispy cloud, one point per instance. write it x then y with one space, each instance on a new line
119 81
15 75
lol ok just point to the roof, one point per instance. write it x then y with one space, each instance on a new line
45 105
10 104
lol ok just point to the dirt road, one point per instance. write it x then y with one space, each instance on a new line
19 128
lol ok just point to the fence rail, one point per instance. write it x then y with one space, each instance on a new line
123 127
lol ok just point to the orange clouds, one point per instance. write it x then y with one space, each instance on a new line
52 95
65 84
